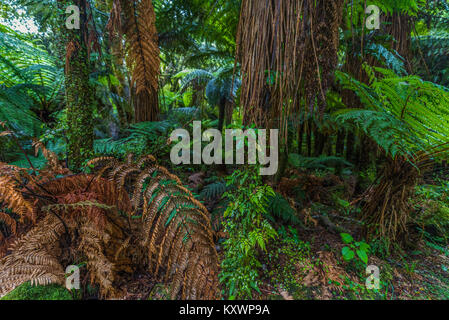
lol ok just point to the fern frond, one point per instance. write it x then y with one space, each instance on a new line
33 258
279 207
213 191
9 222
163 230
171 218
404 114
13 199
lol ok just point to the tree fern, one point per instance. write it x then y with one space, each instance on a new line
140 137
198 77
29 81
403 114
218 84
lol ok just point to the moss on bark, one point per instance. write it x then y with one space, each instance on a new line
79 94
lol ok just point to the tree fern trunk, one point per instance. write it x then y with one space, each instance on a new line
78 91
309 138
117 52
142 56
365 152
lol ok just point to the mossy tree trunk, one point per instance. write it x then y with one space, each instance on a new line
79 93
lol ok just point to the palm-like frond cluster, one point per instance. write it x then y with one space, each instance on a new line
403 115
30 83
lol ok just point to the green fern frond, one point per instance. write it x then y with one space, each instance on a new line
404 114
213 191
278 207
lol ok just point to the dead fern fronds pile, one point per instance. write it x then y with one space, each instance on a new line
131 218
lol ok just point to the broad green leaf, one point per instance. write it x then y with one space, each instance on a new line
364 246
363 256
347 253
347 238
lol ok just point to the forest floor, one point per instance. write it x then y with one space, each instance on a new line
305 262
321 273
308 262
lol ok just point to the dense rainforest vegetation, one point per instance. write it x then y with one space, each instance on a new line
92 90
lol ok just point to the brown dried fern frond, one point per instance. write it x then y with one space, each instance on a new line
84 223
34 258
12 198
9 222
176 231
51 157
89 218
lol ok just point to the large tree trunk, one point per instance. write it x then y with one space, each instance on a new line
400 28
286 47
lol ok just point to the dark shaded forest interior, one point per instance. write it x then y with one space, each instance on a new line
346 100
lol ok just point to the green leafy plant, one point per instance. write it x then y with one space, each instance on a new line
249 233
354 249
403 115
142 138
342 204
432 211
29 292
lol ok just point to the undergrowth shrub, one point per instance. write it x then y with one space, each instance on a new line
140 139
248 234
280 208
432 211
